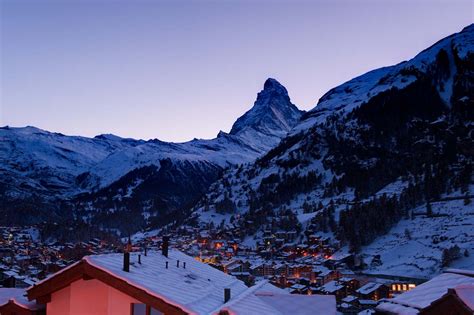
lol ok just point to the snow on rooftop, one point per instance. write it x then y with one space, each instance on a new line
332 286
423 295
198 289
297 304
264 298
369 288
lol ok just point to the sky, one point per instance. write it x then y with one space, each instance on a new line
178 70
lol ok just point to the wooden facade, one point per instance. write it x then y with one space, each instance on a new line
11 308
84 271
450 304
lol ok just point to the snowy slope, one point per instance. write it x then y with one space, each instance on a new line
414 246
342 100
385 135
36 163
355 92
25 151
32 159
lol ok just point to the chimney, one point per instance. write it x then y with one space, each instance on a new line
177 263
164 245
184 264
126 256
166 265
140 259
145 251
226 295
126 261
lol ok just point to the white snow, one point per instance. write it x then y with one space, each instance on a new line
355 92
266 299
423 295
420 255
199 288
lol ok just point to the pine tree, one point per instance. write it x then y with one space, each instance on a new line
429 210
445 258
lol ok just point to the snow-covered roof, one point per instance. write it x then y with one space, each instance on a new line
423 295
369 288
17 296
466 294
321 270
198 289
266 299
349 299
332 286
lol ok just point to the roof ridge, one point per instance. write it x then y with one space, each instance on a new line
241 296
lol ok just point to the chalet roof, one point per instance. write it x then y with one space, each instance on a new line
18 297
466 294
264 298
197 289
349 299
423 295
331 287
322 271
298 286
369 287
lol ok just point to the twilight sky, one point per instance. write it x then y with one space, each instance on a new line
176 70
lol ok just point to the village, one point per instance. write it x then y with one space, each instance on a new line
24 259
308 267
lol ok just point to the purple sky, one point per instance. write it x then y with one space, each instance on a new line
176 70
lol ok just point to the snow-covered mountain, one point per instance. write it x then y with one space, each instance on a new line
40 167
271 117
373 151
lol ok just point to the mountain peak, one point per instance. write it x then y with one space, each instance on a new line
272 85
272 113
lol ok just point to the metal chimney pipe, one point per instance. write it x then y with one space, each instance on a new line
177 263
184 264
226 295
166 265
126 261
140 259
165 245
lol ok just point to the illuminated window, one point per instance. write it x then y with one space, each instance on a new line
411 286
399 287
405 287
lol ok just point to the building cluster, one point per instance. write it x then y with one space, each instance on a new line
307 267
24 259
185 272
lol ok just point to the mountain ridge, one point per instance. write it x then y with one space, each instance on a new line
372 153
35 163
